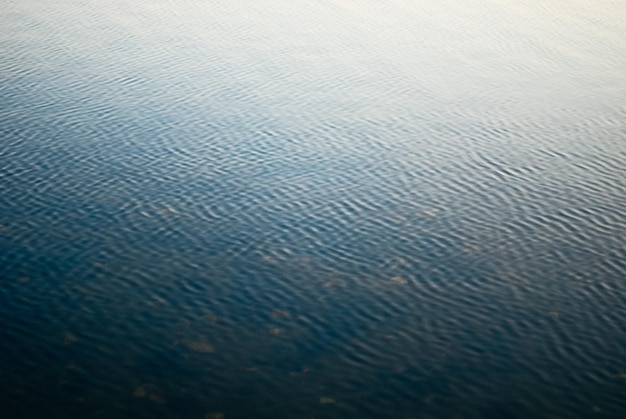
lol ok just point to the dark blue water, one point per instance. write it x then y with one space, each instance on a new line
313 209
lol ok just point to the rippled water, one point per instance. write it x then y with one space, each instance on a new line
329 209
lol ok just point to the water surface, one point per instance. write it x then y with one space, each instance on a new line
329 209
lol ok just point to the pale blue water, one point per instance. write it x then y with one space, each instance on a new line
298 209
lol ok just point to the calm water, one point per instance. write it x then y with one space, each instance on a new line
313 209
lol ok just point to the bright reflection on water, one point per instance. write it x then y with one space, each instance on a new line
296 209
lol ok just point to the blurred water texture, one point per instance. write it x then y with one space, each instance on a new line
329 209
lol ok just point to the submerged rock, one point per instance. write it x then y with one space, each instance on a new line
68 338
280 314
148 391
399 280
140 392
198 346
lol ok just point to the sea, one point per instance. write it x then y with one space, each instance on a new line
250 209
